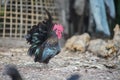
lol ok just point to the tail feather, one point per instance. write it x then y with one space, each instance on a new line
32 50
40 32
49 16
49 21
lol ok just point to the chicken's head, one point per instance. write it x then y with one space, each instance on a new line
58 28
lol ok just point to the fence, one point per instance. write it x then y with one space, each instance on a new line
18 16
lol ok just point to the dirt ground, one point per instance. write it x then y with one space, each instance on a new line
85 66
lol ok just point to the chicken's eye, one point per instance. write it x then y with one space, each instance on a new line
55 30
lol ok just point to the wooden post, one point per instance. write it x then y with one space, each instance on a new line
26 24
21 19
11 12
16 25
32 8
4 20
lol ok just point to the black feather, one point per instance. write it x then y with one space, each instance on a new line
39 33
12 71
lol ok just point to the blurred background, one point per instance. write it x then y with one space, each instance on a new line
97 18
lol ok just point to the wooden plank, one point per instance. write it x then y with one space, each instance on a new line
32 12
26 19
37 14
21 18
16 26
41 9
11 18
0 4
4 19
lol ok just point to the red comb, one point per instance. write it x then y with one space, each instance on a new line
58 27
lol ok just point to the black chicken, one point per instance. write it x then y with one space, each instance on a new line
12 71
43 39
